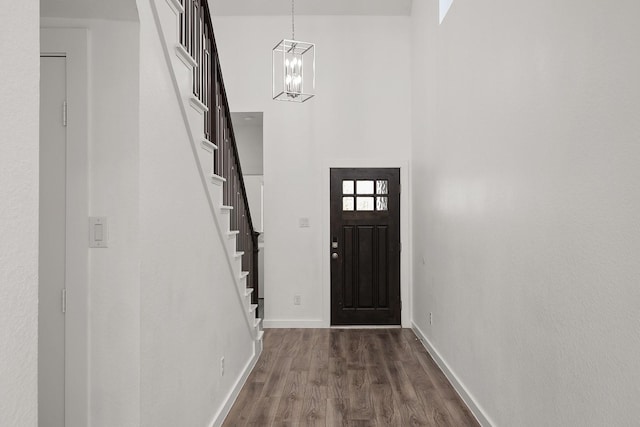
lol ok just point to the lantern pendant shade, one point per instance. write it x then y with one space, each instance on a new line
294 71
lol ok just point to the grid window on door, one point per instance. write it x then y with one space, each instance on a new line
365 195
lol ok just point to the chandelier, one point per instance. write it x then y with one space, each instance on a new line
293 68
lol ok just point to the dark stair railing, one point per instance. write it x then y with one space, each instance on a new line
196 36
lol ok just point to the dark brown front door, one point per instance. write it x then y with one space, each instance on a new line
365 246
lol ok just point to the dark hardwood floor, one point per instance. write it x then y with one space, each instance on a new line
347 377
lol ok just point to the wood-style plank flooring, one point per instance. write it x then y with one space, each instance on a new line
346 377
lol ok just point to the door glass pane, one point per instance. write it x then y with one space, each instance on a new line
381 186
381 203
364 187
364 203
347 187
347 203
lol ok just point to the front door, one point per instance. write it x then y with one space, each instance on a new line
365 246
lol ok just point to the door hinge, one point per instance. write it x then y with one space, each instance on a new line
400 246
64 113
64 300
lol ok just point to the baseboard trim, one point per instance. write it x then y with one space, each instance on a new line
462 391
233 394
293 324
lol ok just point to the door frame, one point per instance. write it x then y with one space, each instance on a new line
405 236
73 44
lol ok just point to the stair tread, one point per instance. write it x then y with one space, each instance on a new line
208 145
176 6
184 56
260 336
253 308
197 104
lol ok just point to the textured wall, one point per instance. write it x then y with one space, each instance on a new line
191 314
526 205
19 92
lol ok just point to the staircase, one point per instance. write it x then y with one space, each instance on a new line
186 33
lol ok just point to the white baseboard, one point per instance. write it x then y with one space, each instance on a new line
462 391
233 394
293 324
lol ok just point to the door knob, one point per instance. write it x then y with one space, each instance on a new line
334 255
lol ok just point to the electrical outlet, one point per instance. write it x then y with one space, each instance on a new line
430 318
297 300
222 366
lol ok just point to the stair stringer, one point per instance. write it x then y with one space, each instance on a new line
166 21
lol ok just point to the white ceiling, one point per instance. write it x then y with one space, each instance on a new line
311 7
126 9
97 9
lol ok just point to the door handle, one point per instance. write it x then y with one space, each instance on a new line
334 255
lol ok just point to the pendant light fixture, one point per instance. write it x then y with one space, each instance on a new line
293 67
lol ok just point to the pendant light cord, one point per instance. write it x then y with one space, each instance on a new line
293 22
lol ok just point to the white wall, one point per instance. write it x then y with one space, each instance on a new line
249 141
361 112
254 184
19 171
526 205
114 272
191 313
114 193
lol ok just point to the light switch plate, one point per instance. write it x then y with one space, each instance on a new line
98 232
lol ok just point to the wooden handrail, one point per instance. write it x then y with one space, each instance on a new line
196 36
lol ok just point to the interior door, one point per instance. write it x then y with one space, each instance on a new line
52 245
365 246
